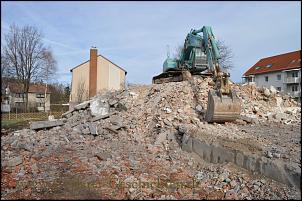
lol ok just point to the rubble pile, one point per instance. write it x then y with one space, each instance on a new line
166 106
135 135
263 104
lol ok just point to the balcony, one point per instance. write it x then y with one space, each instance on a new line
290 80
295 94
19 100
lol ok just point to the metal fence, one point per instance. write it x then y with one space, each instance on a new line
32 115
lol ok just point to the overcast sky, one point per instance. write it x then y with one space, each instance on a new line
135 35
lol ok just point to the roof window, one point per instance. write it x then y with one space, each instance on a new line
269 65
257 67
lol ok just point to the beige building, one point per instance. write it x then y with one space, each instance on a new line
95 75
14 100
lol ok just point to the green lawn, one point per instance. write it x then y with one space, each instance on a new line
14 123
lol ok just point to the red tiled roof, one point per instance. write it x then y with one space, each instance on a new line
38 88
279 62
33 88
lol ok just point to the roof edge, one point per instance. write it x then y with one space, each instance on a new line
280 54
104 58
288 69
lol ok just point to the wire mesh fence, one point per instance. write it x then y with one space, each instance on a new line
30 115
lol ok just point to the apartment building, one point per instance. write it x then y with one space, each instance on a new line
281 71
14 99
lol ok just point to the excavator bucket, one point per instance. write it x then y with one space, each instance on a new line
222 108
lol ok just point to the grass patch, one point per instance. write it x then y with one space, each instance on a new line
14 123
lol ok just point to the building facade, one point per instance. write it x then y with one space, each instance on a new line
95 75
14 100
281 71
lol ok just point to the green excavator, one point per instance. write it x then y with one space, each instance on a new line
200 56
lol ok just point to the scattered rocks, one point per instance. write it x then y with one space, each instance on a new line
135 135
266 92
15 161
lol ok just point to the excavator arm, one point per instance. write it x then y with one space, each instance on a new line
223 104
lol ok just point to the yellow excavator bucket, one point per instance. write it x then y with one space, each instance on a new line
222 108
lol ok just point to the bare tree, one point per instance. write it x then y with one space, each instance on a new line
25 55
226 56
178 52
48 69
81 91
5 70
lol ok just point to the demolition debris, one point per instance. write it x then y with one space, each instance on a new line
138 134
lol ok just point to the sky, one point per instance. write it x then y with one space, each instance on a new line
135 35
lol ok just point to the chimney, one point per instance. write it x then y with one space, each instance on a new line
93 71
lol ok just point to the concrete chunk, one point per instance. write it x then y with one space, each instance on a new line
82 106
93 129
99 107
100 117
45 124
67 114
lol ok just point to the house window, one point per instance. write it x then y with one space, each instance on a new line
278 77
279 88
40 104
294 88
295 74
40 95
269 65
266 78
19 105
20 95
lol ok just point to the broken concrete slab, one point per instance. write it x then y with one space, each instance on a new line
112 102
82 106
67 114
45 124
99 117
116 120
113 128
249 119
99 107
215 153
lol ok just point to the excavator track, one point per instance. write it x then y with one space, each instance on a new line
171 76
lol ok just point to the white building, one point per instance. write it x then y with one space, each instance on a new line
281 71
